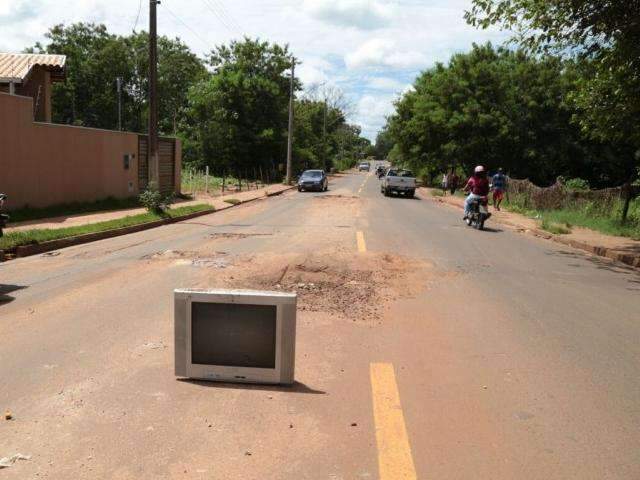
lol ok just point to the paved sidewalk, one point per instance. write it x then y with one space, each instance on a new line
85 219
621 249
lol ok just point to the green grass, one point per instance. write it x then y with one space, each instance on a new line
554 227
437 193
28 237
232 201
603 224
587 216
196 182
76 208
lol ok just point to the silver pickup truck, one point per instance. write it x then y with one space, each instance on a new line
398 181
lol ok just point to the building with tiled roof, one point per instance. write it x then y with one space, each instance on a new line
31 75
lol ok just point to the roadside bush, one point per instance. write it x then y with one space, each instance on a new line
343 164
577 184
232 201
154 201
557 228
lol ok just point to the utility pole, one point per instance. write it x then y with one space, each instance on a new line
290 135
154 174
324 134
119 85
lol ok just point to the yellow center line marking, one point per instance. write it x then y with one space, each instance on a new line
394 452
362 246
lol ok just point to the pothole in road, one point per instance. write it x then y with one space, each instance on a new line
237 235
170 255
196 259
355 287
336 197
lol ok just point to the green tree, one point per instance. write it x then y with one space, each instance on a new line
95 58
500 108
237 118
324 138
384 143
603 33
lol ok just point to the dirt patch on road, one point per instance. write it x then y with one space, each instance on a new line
356 287
196 259
336 197
237 235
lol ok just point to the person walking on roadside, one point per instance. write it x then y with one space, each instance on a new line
499 186
444 184
454 179
477 187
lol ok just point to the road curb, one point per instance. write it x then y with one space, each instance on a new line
597 250
34 249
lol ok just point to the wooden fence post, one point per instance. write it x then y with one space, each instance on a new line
626 192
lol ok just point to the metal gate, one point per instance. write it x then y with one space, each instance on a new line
166 158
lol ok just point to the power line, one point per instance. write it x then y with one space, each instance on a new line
205 42
135 25
220 18
228 15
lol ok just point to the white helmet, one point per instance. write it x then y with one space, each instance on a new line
479 169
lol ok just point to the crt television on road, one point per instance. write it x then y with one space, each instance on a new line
242 336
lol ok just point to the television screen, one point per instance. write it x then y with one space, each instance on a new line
233 335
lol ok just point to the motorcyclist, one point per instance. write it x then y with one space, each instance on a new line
477 187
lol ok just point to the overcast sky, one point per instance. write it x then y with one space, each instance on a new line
371 49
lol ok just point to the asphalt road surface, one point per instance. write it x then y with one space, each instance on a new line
425 350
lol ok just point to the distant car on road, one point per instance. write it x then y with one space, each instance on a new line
366 166
313 180
398 181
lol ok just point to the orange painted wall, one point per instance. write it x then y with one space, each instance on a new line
44 164
39 79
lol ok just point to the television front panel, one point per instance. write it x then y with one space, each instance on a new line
235 335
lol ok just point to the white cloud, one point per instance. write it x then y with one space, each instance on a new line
383 52
314 70
386 84
407 89
364 14
371 113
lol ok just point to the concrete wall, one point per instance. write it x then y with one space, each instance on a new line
43 164
38 81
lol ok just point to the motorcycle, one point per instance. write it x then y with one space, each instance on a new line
4 218
479 213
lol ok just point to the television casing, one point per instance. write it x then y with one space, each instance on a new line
285 336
